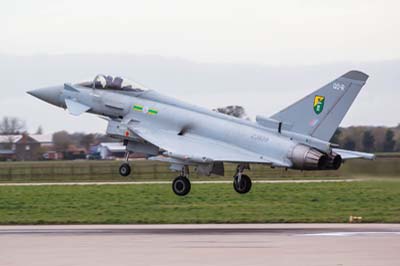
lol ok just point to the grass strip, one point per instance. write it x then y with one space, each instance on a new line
375 201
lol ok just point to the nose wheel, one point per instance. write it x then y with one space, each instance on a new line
125 168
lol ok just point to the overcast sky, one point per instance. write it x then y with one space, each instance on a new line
259 54
251 31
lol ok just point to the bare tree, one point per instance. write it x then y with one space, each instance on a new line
39 130
87 140
368 141
337 136
349 143
61 140
390 143
12 126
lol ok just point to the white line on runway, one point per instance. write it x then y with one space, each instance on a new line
169 182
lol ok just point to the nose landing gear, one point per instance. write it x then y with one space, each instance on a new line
241 182
125 168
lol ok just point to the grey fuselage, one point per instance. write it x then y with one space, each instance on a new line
183 134
174 115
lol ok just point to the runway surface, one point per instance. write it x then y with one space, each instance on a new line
260 244
169 182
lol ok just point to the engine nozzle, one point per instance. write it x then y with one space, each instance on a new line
307 158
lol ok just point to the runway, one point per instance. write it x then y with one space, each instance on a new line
259 244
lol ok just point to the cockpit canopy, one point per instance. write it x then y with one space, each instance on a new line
107 82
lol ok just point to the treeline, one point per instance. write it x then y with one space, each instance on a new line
368 139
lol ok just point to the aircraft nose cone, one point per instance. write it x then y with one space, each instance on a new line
51 95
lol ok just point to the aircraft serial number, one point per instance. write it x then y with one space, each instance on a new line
260 138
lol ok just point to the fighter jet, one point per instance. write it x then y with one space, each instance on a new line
185 135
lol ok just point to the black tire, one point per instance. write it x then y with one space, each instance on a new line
181 186
125 169
244 186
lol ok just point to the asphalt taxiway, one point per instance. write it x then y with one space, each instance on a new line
224 244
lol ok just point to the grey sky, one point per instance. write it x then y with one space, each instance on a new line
259 54
268 32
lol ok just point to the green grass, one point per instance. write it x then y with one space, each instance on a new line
207 203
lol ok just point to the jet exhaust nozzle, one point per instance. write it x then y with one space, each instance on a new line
307 158
335 161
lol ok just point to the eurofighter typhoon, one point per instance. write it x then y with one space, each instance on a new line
183 135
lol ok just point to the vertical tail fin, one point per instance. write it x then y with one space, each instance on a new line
320 113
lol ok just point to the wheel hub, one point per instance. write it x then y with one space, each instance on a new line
179 186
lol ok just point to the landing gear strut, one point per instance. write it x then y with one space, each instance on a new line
241 182
181 185
125 168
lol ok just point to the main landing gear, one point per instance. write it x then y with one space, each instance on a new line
181 185
125 168
241 182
